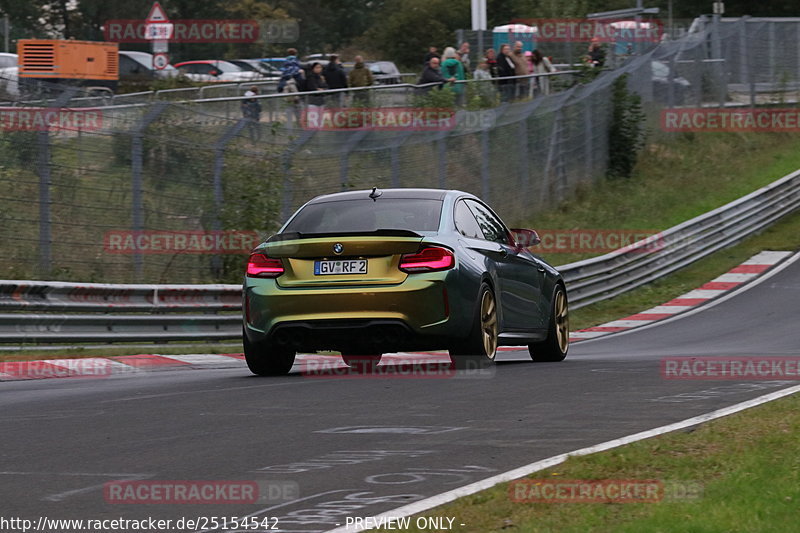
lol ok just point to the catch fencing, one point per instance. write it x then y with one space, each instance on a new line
53 312
179 170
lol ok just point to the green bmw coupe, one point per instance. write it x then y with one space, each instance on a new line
378 271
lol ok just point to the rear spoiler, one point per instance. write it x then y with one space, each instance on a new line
377 233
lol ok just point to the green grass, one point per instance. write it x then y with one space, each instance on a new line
678 177
745 465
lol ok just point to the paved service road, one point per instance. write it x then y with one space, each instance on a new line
357 447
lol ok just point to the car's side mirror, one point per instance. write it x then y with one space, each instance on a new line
215 72
525 238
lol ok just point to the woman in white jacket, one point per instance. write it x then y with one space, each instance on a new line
542 65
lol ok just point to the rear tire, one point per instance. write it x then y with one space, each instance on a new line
555 347
480 347
266 359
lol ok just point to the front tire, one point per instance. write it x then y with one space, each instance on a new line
555 347
266 359
480 347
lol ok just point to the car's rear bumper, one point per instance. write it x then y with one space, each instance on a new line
395 317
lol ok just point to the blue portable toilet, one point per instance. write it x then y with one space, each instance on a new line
509 33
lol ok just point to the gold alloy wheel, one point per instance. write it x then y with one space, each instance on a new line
489 324
562 320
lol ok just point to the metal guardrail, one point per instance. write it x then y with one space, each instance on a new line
612 274
223 92
96 312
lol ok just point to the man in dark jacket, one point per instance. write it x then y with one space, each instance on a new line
431 74
334 73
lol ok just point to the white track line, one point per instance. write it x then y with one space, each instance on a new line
711 303
472 488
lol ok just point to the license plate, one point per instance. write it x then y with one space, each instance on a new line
352 266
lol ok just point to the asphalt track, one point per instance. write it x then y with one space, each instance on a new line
358 447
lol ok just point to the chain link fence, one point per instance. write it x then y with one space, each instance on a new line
178 191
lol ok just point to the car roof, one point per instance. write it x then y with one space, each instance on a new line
423 194
195 61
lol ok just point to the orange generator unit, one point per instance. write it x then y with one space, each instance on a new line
85 63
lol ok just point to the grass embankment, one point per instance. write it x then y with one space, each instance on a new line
679 177
745 465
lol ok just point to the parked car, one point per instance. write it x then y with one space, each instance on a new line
681 87
138 66
370 272
384 72
215 70
256 65
8 60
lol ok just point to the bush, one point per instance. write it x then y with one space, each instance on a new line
626 132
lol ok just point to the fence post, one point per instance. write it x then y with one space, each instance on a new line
588 139
344 167
45 181
522 138
219 199
286 160
45 236
441 148
485 190
136 179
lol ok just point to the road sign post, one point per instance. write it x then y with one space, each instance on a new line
159 31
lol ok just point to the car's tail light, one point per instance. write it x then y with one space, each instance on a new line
261 266
428 260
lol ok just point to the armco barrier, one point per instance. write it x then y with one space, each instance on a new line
96 312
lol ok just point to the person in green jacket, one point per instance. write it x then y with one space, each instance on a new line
452 67
360 76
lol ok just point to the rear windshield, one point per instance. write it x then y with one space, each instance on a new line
411 214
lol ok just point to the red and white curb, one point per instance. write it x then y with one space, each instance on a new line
97 367
747 271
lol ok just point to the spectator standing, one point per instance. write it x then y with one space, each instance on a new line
360 76
483 87
505 68
431 74
251 111
291 72
316 83
542 65
491 61
520 68
335 77
463 55
597 56
432 52
334 73
453 70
